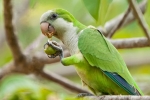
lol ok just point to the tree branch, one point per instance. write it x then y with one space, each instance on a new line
138 14
130 43
63 82
117 97
7 69
130 18
46 60
10 35
119 24
35 44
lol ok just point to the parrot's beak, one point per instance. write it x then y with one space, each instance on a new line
47 29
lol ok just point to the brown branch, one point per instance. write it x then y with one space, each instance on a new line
130 18
6 69
10 35
35 65
46 60
117 26
130 43
35 44
63 82
117 97
40 54
118 43
138 14
139 61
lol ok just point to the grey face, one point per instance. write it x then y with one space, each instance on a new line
46 28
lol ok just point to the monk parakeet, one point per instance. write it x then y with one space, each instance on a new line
97 61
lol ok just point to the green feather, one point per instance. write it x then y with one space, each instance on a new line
100 53
64 14
69 18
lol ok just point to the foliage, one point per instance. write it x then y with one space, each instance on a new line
20 87
98 9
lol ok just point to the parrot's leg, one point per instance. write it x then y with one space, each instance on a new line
72 60
84 94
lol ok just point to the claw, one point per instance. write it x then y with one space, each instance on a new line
46 44
51 56
57 47
84 95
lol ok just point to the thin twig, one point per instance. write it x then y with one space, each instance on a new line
138 14
119 24
130 18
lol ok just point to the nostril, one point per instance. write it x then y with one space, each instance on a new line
51 29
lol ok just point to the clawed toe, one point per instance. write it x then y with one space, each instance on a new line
84 94
55 46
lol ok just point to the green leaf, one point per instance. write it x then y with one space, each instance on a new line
19 87
32 3
139 1
103 11
93 7
147 13
97 9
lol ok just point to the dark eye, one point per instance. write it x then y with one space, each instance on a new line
53 16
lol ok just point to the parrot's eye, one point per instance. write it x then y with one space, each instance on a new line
53 16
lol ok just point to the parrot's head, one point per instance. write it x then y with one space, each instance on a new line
57 22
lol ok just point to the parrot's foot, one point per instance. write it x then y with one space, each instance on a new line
55 46
84 95
53 55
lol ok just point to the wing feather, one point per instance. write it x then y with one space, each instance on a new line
99 52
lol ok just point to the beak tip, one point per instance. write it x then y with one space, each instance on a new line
44 27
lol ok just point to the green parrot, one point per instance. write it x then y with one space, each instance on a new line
97 61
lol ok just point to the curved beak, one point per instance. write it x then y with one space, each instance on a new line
47 29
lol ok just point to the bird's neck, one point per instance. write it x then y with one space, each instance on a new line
70 39
68 33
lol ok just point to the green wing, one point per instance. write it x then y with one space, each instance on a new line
99 52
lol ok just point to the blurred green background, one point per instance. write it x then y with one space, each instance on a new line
26 20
